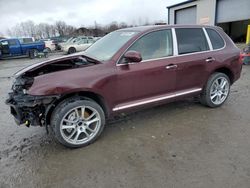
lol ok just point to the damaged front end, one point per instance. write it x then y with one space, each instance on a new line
32 108
28 109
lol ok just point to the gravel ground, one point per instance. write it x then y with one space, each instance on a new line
181 144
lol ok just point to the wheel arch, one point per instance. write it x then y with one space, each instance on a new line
227 72
48 48
81 95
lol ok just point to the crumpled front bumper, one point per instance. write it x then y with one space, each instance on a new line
28 109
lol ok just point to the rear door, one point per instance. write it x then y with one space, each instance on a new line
192 58
150 78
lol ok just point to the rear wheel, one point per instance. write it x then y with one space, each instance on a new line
77 123
216 91
71 50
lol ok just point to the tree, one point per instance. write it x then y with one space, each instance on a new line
60 27
27 28
45 30
69 30
113 26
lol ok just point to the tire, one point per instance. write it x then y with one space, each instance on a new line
33 53
213 94
71 129
71 50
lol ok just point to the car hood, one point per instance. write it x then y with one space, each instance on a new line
43 64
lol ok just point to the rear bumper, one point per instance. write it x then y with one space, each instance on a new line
238 74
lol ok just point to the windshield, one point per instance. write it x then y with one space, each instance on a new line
70 39
106 47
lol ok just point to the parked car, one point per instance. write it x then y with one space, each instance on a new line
49 45
58 41
70 40
77 46
13 48
126 70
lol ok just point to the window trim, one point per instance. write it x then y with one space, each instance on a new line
161 29
208 39
220 37
170 30
175 45
192 52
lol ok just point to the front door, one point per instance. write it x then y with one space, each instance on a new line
152 78
5 48
15 48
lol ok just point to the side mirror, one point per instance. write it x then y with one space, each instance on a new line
133 56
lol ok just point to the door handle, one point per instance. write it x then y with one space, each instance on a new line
210 59
171 67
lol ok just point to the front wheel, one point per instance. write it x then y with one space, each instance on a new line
77 123
216 90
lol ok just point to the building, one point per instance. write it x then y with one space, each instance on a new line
232 15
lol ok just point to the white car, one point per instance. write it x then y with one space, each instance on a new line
78 46
49 45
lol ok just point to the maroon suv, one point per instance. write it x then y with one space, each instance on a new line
124 71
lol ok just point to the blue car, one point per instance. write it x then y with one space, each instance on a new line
13 48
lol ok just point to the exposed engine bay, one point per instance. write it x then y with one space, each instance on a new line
32 110
59 65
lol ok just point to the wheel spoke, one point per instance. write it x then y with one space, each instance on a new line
77 136
69 121
91 130
92 121
223 84
68 127
83 112
91 116
72 134
216 83
77 113
217 99
213 96
86 133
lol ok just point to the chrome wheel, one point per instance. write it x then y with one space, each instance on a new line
219 90
80 125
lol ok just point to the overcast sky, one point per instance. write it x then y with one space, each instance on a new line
82 12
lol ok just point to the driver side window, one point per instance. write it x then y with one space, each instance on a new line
157 44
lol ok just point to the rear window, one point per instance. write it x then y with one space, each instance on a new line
26 40
191 40
215 38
